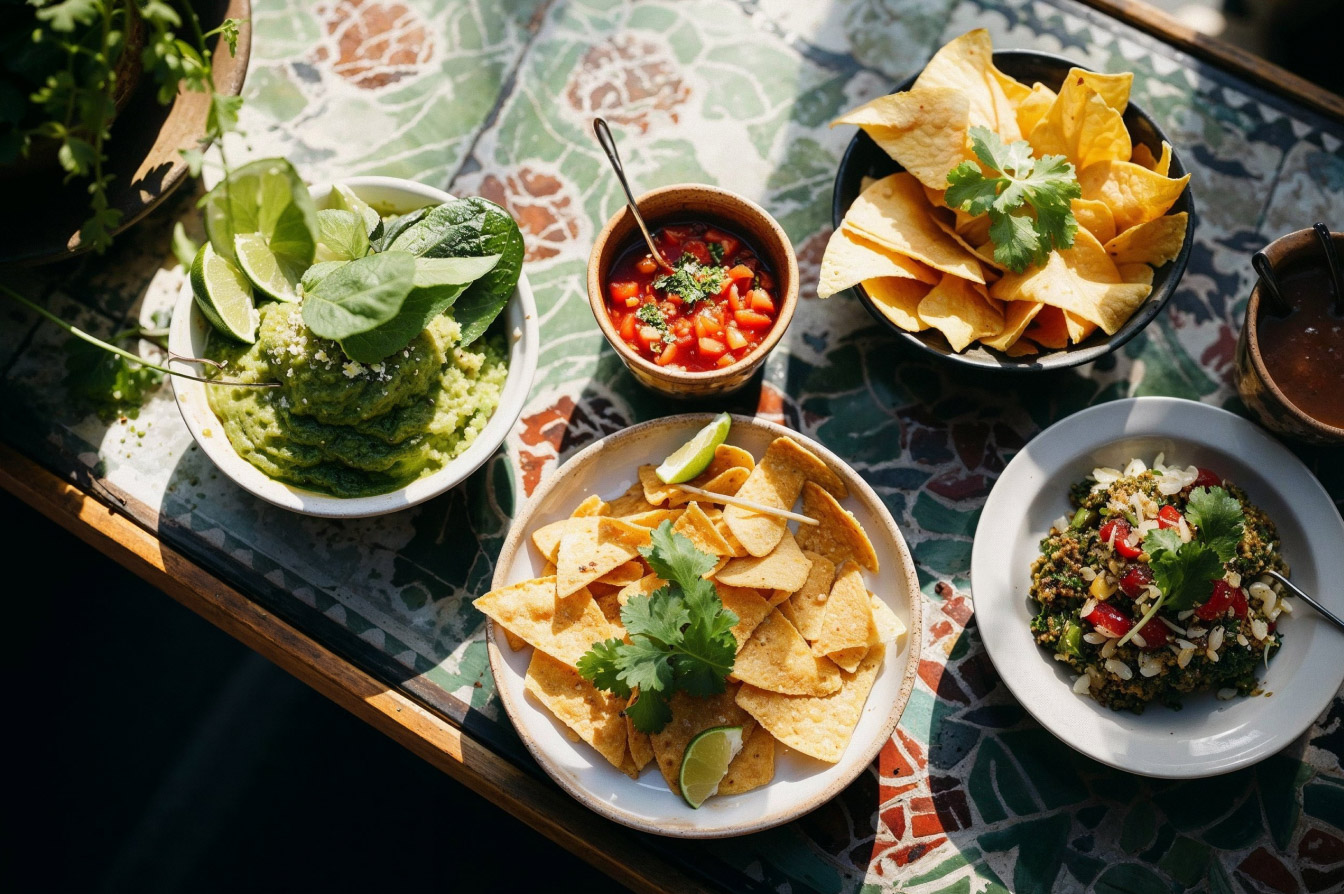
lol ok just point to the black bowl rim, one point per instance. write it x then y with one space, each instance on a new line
1052 360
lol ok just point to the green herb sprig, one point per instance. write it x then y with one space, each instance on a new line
680 636
692 281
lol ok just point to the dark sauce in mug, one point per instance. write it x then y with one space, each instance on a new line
1304 351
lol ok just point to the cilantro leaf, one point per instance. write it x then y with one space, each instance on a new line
674 557
708 650
1218 518
1012 181
1162 539
660 616
645 664
1186 576
650 314
649 712
599 665
692 281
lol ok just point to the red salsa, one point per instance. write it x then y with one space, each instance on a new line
1304 351
714 309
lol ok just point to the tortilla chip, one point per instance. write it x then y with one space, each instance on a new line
1113 88
777 658
1155 242
655 491
696 527
898 300
754 765
1077 328
749 607
817 726
839 536
631 502
642 587
1140 273
727 456
1017 315
547 538
594 716
1094 216
851 259
785 568
652 518
1163 165
958 310
1049 329
1033 108
727 482
983 250
625 573
1081 126
1143 156
889 628
641 749
847 620
1135 194
808 604
966 64
784 606
585 556
1081 280
1022 348
591 505
515 641
610 603
690 717
894 213
563 628
1016 91
776 482
923 129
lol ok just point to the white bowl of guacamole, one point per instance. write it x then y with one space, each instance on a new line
345 442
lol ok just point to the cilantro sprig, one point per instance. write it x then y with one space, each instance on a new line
651 315
692 281
1010 182
680 636
1186 572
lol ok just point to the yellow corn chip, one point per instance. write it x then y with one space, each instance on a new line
1163 165
641 749
958 310
1016 91
1049 329
808 605
784 606
1140 273
563 628
515 642
785 568
1022 348
1143 156
1113 88
592 505
966 64
625 573
655 491
851 259
776 482
984 251
754 765
726 482
631 502
817 726
584 556
1078 328
1017 315
749 607
889 628
690 717
642 587
652 518
592 715
610 603
777 658
923 129
1033 108
894 213
898 300
547 538
1095 216
1155 242
727 456
1081 126
1135 194
847 621
696 527
839 536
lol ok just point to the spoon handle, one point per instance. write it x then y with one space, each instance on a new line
1331 261
1270 280
1297 591
608 144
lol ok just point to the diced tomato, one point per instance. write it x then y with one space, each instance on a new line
678 234
1154 634
647 265
1109 620
650 337
727 360
698 250
628 327
712 348
1135 580
736 340
766 280
727 242
623 290
741 273
669 355
760 301
734 298
750 319
1169 517
683 328
1119 529
1207 478
1218 602
1239 606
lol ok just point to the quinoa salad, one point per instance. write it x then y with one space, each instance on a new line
1156 588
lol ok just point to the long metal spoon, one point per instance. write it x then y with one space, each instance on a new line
1297 591
1270 280
608 143
1332 261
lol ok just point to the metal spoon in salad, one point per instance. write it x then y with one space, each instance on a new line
1297 591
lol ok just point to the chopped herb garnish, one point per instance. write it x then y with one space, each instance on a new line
716 252
650 314
692 281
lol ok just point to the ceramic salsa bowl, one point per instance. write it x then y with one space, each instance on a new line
687 202
864 158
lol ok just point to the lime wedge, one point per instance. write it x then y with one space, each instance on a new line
263 268
706 761
695 455
224 295
266 197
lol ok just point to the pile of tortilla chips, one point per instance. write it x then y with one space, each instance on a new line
810 635
928 266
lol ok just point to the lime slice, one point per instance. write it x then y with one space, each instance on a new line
695 455
706 761
263 268
266 197
224 295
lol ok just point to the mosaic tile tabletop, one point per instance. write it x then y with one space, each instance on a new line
495 98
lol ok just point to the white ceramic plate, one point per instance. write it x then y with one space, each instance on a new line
607 468
1207 736
189 331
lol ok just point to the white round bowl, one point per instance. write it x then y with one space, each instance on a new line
189 331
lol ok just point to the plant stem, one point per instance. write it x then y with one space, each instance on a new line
136 358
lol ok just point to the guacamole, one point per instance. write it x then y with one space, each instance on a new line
350 429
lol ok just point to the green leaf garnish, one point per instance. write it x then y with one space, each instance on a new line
692 281
1186 572
650 315
1015 183
1218 517
680 636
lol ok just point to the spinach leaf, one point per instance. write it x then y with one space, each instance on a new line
318 272
344 199
361 295
471 228
341 236
398 225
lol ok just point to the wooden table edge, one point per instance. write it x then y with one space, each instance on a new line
1243 63
414 726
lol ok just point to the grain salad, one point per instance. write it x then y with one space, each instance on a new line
1156 588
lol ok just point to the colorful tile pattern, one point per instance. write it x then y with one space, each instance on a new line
495 98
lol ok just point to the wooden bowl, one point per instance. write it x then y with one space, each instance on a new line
689 201
144 156
1258 391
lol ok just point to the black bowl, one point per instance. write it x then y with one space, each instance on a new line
864 158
